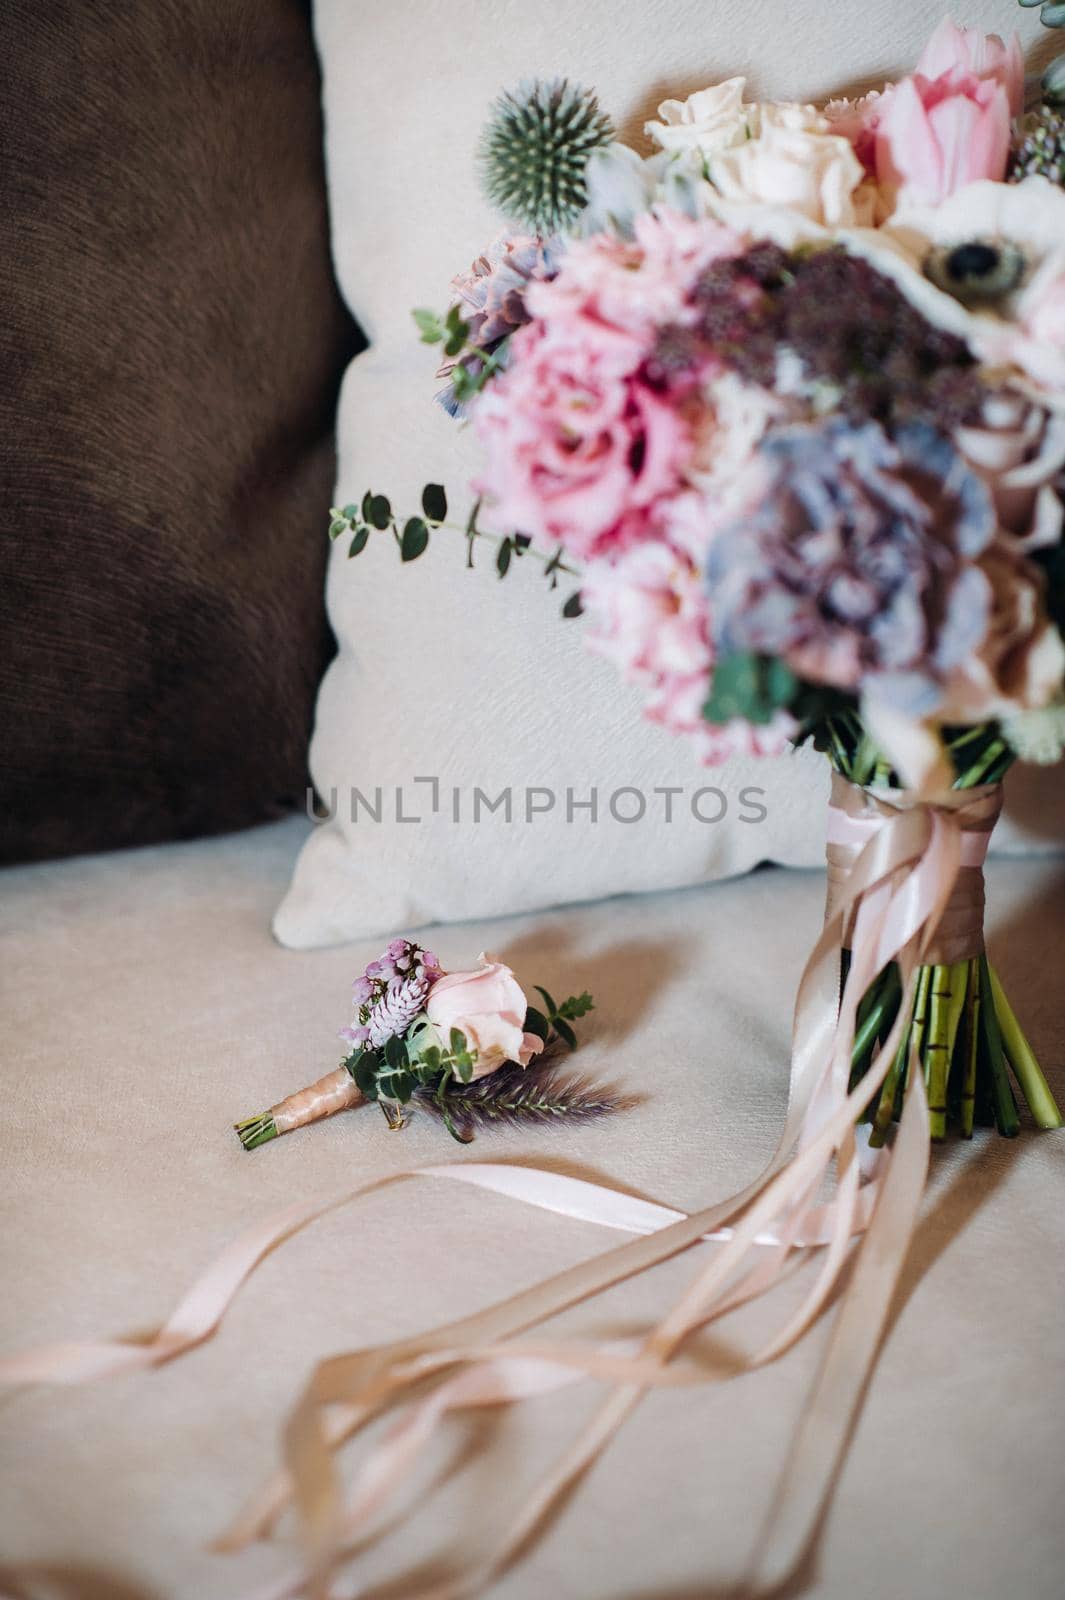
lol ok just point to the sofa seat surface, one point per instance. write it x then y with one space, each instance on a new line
146 1008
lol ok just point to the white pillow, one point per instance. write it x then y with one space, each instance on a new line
452 675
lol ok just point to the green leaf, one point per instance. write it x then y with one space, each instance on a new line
454 345
351 512
367 505
414 540
749 686
578 1005
464 1066
552 1009
396 1052
434 502
573 607
365 1070
457 1041
396 1085
338 526
379 511
358 544
536 1022
464 384
503 558
1054 83
429 325
565 1032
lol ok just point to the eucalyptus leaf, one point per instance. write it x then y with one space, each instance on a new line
428 325
414 540
395 1052
434 502
503 558
358 544
379 512
751 687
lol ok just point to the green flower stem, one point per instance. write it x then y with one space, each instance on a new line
972 1039
470 533
876 1015
1026 1068
254 1131
983 769
946 999
1005 1106
895 1081
885 1109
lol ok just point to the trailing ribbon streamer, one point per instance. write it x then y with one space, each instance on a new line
896 891
899 888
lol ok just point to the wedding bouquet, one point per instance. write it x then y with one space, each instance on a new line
456 1044
787 400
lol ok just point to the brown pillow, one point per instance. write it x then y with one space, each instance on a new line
171 349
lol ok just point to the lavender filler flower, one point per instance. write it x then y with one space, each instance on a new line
856 564
391 992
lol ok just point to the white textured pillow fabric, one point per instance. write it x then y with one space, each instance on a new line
449 682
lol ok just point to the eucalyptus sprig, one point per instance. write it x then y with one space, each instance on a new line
474 366
411 534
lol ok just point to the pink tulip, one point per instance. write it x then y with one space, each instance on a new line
935 135
983 54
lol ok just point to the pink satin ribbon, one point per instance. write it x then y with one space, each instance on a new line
895 895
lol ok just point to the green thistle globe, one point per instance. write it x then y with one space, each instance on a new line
535 150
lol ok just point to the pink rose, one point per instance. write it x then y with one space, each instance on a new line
982 54
488 1006
935 135
577 450
647 613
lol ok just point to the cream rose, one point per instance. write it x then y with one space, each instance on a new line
711 120
796 164
488 1006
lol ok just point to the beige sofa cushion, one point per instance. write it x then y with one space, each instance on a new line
146 1008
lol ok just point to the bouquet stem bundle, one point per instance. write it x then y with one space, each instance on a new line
962 1029
967 1040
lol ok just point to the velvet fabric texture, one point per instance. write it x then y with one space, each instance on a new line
171 349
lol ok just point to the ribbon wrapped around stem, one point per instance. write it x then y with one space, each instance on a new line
888 901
